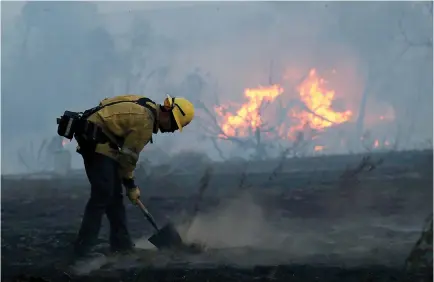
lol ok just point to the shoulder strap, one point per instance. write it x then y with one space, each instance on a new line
142 102
93 110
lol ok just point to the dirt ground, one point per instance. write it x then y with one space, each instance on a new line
356 228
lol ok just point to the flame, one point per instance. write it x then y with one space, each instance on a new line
316 112
319 100
248 116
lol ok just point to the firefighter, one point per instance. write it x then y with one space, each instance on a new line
113 135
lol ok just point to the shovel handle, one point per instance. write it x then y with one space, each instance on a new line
141 205
147 214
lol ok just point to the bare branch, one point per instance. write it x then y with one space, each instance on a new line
203 185
408 41
41 149
22 160
317 115
214 142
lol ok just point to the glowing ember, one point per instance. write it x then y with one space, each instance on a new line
248 116
65 142
318 148
376 143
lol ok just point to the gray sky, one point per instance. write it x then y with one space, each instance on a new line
70 58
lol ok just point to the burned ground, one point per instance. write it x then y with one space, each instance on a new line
327 219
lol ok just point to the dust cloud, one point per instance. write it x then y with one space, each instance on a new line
241 231
83 267
236 223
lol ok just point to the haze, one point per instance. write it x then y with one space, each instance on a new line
59 56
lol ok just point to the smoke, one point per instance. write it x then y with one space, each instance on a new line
231 229
236 223
86 266
150 49
243 232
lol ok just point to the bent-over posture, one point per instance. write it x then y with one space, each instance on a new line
113 135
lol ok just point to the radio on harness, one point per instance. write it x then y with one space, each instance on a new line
71 123
68 123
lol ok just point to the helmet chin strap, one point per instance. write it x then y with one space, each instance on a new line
173 124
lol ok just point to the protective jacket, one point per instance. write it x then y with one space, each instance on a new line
129 122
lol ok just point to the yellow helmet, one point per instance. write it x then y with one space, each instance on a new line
182 110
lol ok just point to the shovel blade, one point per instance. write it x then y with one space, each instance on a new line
167 238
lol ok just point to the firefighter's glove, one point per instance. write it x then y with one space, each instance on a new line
133 194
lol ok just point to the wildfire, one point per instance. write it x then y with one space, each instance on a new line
315 113
318 100
248 116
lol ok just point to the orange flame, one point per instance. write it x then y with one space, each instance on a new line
319 100
318 148
248 116
316 113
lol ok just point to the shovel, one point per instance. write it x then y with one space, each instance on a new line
166 237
